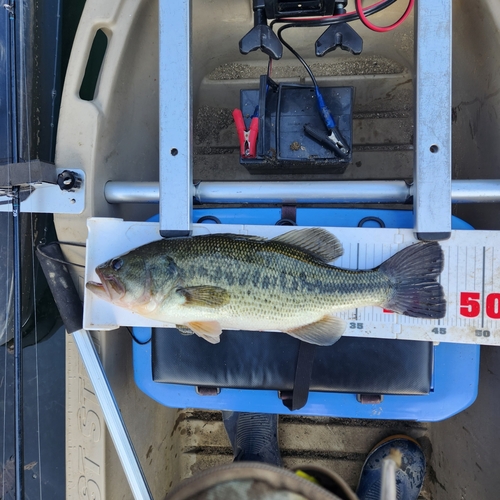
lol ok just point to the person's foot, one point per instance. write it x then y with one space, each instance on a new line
253 436
410 469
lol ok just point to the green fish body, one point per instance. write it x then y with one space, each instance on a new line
208 283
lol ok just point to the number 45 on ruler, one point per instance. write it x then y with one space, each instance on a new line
470 305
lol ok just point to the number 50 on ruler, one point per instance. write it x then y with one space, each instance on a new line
470 305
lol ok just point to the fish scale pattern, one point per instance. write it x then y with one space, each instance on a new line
270 279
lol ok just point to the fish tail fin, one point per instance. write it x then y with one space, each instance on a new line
414 272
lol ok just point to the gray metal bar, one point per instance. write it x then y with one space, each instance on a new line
462 191
175 117
475 191
303 192
112 415
132 192
432 167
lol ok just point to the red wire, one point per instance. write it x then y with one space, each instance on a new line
323 18
382 29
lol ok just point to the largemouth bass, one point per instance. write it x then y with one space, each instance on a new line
204 284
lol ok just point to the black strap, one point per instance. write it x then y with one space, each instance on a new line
297 398
288 215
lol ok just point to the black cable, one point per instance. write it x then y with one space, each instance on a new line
295 53
269 68
277 142
326 22
135 339
40 246
70 243
335 19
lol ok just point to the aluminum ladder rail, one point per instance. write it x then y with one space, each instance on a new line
432 191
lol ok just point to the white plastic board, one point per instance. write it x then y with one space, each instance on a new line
471 279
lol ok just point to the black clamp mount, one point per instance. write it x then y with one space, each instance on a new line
339 35
261 36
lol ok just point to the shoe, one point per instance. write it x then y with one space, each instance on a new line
409 475
253 436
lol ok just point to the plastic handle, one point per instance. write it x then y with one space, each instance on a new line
240 129
252 138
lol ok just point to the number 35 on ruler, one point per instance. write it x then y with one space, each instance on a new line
470 305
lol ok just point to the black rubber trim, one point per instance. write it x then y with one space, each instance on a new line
433 236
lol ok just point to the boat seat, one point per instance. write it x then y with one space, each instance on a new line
259 371
268 360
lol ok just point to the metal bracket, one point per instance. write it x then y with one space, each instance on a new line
44 195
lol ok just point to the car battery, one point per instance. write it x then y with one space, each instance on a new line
284 109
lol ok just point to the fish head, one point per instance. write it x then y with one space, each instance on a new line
135 281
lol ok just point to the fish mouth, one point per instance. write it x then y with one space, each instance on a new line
111 288
97 289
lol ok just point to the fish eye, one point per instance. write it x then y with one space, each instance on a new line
116 264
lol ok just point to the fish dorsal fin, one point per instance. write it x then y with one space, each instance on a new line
233 236
319 242
326 331
208 330
204 296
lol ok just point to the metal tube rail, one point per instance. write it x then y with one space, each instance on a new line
114 421
303 192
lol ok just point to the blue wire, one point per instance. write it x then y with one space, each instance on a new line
324 111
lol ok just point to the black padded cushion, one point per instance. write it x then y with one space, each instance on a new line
267 360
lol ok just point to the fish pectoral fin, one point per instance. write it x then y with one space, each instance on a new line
204 296
208 330
326 331
319 242
184 330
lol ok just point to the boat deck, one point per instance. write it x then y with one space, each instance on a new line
119 132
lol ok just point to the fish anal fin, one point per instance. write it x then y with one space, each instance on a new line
326 331
184 330
208 330
319 242
204 296
208 338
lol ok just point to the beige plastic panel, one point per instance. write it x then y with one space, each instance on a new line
115 137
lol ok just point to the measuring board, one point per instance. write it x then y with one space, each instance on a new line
470 278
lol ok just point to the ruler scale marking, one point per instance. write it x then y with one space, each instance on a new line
357 267
471 285
482 288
